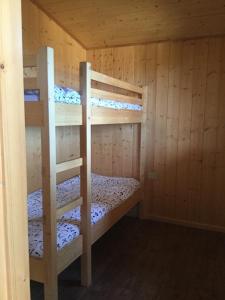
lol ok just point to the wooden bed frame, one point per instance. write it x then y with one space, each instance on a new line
39 74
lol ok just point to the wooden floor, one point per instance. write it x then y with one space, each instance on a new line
143 260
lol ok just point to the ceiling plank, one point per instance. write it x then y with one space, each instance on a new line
100 23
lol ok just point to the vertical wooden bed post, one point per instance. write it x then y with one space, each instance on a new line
85 139
143 150
48 147
14 262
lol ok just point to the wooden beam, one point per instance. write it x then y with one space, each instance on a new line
69 253
69 206
14 261
143 129
114 216
68 114
71 164
34 113
37 269
116 97
103 115
48 148
85 136
99 77
67 174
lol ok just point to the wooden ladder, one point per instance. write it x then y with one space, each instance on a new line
50 169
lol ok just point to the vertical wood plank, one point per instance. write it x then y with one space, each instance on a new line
163 50
85 78
197 122
172 127
211 118
143 150
14 263
151 53
48 150
220 145
184 132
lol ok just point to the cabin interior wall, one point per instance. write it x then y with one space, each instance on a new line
185 126
185 119
39 30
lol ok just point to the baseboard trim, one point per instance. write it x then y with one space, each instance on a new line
187 223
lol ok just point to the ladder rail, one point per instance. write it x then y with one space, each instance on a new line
50 169
48 149
85 178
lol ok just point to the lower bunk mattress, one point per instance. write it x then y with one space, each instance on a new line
107 194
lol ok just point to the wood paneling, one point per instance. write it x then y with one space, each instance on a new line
115 147
186 136
68 148
14 267
103 23
185 117
40 30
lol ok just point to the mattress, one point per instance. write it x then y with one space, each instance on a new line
70 96
107 194
66 233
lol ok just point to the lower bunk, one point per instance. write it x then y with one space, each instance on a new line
112 198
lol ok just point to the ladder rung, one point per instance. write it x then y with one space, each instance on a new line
68 165
69 206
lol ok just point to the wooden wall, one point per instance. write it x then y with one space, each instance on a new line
115 148
186 126
186 113
39 30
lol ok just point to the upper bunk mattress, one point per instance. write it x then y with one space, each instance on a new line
107 194
70 96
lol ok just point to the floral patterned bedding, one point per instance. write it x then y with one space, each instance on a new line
107 194
70 96
66 233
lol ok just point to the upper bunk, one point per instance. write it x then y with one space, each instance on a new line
101 88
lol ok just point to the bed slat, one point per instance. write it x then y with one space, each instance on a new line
99 77
69 206
68 165
116 97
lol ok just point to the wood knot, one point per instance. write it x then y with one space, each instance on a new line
2 66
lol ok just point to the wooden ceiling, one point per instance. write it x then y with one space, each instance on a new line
105 23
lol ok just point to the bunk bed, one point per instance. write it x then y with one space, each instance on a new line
68 229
